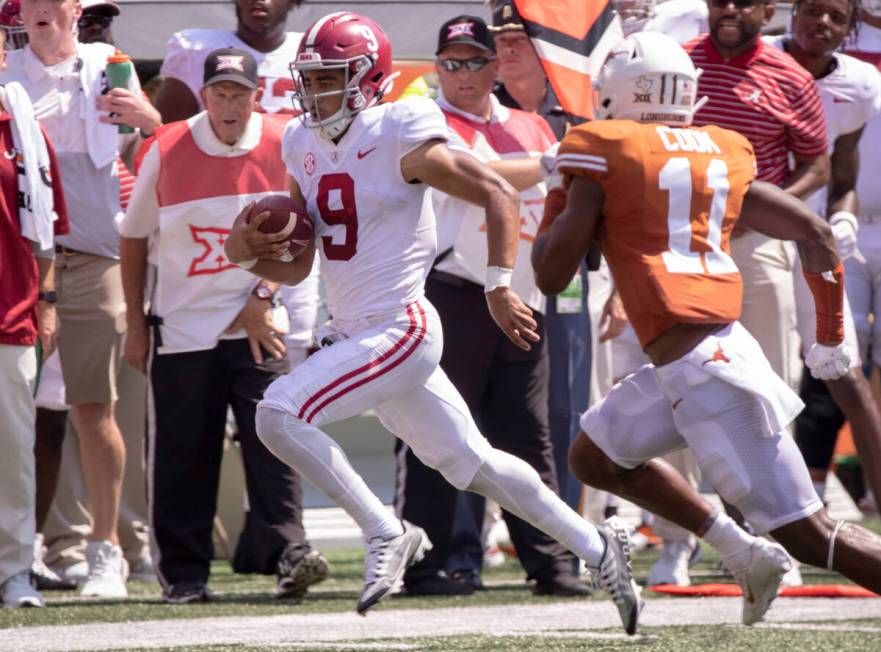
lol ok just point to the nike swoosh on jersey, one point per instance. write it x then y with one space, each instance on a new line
365 153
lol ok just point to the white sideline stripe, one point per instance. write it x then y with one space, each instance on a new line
401 625
819 627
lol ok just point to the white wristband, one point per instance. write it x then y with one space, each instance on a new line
247 264
844 216
497 277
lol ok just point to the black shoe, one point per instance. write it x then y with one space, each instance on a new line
43 581
186 593
470 577
299 567
438 585
563 586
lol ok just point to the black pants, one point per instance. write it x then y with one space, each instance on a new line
189 395
506 390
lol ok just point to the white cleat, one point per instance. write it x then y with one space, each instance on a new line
615 576
672 565
761 580
108 571
387 560
793 575
18 592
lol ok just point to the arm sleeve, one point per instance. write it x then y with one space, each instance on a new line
62 226
420 120
142 217
806 133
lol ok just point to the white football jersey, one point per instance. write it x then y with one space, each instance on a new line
376 232
680 19
188 49
868 49
851 96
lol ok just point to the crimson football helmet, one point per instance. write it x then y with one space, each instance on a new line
351 43
11 22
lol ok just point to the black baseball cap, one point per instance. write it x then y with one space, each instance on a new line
231 64
506 17
468 30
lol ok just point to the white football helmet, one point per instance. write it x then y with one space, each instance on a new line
634 14
647 77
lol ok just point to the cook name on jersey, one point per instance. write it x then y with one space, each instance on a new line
672 196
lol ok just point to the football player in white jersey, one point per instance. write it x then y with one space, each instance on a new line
261 29
363 170
851 93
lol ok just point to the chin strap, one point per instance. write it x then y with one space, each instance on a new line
831 555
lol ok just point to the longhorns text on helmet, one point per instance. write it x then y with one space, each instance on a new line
648 77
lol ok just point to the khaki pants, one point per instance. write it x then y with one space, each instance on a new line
769 315
18 371
69 522
91 308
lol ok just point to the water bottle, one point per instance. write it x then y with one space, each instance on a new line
119 72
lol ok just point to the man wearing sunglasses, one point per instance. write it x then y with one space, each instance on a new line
505 388
94 24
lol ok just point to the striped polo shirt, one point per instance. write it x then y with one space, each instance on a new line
766 96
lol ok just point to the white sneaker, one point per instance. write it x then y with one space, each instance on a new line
615 576
672 565
76 572
108 571
793 575
18 592
761 580
385 563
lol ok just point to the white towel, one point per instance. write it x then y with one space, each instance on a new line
102 139
37 211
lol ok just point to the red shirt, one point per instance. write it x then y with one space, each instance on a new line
19 278
766 96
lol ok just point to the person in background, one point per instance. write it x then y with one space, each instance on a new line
524 86
32 213
55 69
505 388
851 94
261 30
94 25
213 342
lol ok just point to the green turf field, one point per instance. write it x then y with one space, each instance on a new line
243 596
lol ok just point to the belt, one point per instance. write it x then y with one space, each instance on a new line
452 279
66 251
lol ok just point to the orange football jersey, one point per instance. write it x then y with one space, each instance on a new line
672 196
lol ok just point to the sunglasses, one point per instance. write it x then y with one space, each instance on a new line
738 4
93 19
473 64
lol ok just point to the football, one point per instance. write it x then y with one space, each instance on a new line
288 216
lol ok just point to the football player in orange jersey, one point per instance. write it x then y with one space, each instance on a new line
662 199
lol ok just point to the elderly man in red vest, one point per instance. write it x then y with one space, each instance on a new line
209 341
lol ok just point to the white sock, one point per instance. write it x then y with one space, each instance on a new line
322 462
516 486
820 488
731 541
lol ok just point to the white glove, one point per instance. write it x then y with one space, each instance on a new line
828 362
844 229
548 161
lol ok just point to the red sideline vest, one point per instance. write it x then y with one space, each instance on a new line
198 291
